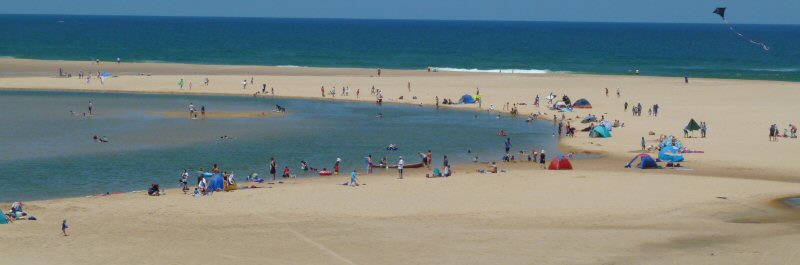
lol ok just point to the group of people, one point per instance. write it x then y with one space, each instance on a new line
193 111
789 132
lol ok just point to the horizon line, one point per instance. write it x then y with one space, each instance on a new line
390 19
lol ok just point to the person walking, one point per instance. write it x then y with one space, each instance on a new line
64 227
400 167
353 179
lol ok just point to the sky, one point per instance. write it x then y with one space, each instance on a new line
670 11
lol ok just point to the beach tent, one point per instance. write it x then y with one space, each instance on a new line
607 124
582 104
467 99
600 132
669 142
588 119
3 219
670 154
692 126
643 161
560 163
560 104
217 183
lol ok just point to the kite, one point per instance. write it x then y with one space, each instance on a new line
721 12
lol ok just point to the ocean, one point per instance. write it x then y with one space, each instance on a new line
46 152
696 50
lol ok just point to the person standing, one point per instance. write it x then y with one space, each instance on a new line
336 166
430 158
655 110
185 181
322 90
400 167
409 86
542 158
264 88
703 129
272 91
508 144
358 91
369 164
180 83
686 79
606 92
618 93
203 111
119 60
643 144
64 227
626 106
91 106
273 166
244 84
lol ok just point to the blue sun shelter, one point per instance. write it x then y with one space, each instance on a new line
642 161
600 132
670 154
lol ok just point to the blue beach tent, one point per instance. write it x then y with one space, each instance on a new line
643 161
600 132
467 99
670 154
217 182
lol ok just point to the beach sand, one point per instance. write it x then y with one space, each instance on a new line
719 209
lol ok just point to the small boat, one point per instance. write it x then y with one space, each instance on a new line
417 165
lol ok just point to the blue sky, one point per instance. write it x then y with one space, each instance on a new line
676 11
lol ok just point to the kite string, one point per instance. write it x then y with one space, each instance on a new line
763 46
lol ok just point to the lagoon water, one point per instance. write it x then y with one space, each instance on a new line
47 153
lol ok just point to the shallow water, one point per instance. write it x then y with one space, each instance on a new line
47 153
792 202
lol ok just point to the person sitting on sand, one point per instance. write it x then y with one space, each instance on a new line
286 172
493 168
154 190
203 186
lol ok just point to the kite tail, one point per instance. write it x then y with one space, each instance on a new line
763 46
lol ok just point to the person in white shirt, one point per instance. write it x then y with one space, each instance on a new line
400 167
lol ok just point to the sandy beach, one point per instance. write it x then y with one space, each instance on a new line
720 208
